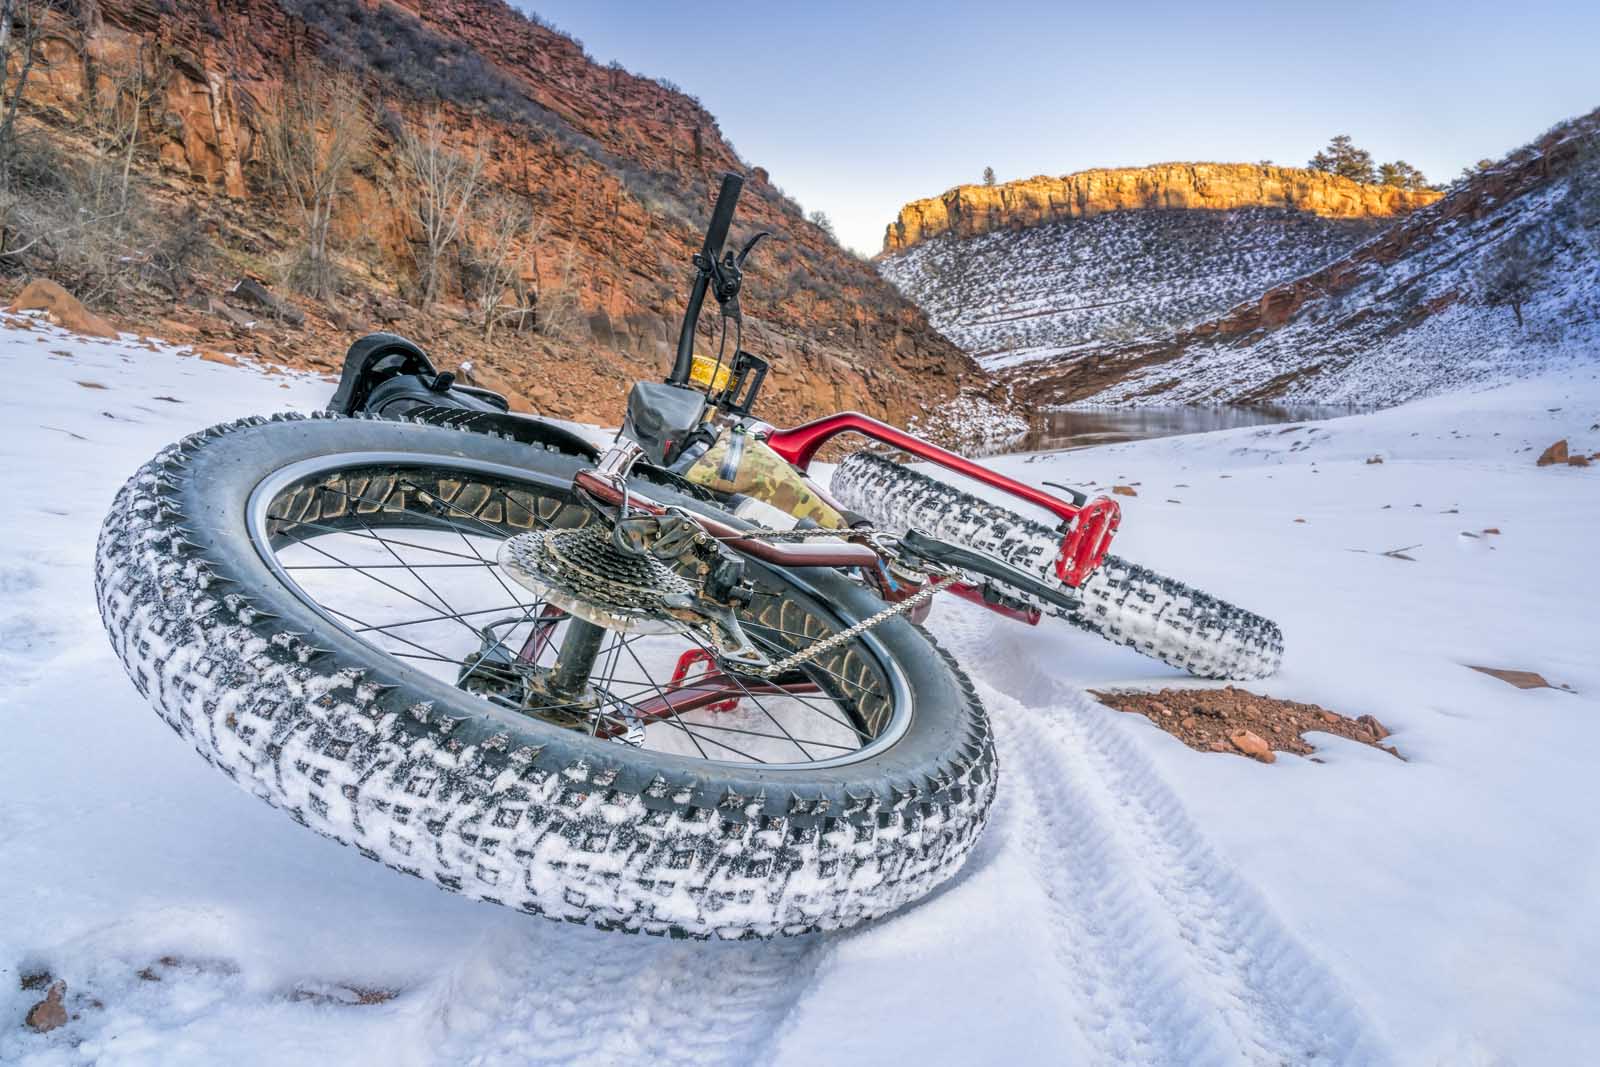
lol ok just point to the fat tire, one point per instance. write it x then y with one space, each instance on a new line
482 801
1123 602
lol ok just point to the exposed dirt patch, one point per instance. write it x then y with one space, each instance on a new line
1235 720
49 1013
341 994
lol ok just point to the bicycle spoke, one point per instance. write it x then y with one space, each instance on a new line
439 544
745 690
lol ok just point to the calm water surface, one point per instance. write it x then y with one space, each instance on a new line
1083 427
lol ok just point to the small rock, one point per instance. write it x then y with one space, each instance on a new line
232 315
1556 453
386 313
1300 520
212 356
1577 461
1374 727
1329 717
471 373
1251 744
342 320
1374 459
251 293
1124 490
1492 530
1188 722
61 308
49 1013
1160 708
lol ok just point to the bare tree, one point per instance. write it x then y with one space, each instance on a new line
21 32
443 185
505 233
507 236
1510 278
557 307
317 130
114 106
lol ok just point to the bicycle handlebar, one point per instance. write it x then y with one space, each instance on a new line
722 215
716 237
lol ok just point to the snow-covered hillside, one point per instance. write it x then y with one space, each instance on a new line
1015 296
1502 277
1133 901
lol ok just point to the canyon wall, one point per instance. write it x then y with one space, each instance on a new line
969 210
621 170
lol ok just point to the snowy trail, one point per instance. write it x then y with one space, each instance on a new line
549 997
1132 902
1178 960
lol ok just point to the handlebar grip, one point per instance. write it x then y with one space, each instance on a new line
722 214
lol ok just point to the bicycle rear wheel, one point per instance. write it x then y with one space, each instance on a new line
315 604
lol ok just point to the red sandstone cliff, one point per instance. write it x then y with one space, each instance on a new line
621 168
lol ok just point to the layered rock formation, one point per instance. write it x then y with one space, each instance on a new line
621 170
970 210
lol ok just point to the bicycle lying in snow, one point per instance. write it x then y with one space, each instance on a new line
672 686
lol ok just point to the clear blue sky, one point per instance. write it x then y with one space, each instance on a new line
856 108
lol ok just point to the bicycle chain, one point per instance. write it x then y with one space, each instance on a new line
849 633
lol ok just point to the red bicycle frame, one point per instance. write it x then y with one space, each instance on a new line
1088 527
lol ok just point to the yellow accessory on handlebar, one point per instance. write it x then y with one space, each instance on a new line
704 372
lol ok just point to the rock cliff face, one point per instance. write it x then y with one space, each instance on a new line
1499 278
621 170
970 210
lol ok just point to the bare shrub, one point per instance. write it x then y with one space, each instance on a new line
182 250
318 128
502 258
505 232
442 185
558 308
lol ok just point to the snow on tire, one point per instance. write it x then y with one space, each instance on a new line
1123 602
485 801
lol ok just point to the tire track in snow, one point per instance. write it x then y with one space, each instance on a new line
565 995
1180 961
1132 1009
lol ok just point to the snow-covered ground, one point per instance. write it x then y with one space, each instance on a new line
1132 902
1013 297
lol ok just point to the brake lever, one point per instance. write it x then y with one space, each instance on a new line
749 246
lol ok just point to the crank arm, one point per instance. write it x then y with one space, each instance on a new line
965 559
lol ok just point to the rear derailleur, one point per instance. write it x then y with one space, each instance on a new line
622 572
